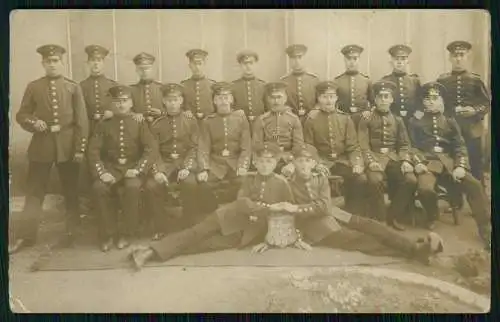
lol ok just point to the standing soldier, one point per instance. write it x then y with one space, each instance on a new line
300 83
197 88
354 88
333 134
53 109
408 85
384 142
146 94
95 87
248 90
121 152
468 101
278 125
224 150
177 137
442 156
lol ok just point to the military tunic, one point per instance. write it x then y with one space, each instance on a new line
301 90
406 97
383 138
198 96
248 93
354 93
283 128
147 95
95 92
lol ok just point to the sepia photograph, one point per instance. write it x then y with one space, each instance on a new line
251 160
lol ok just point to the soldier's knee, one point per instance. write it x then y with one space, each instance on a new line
411 180
374 178
472 182
152 185
360 179
190 180
100 188
132 184
426 190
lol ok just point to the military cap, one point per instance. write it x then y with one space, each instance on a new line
383 85
51 50
172 88
324 86
120 91
400 50
351 49
433 88
306 150
296 50
220 87
458 46
96 51
144 58
196 54
245 55
267 149
274 87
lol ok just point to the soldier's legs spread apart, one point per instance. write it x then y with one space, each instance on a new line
154 199
36 185
103 195
130 192
428 196
215 243
475 152
355 188
375 205
403 190
68 174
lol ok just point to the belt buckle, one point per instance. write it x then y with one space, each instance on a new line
384 150
333 155
97 116
353 109
199 115
302 112
403 113
174 155
225 153
122 161
282 148
251 117
55 128
438 149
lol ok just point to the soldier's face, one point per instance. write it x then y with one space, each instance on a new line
277 99
351 62
248 65
304 165
223 102
96 65
265 165
433 104
327 100
458 60
53 65
173 103
197 67
383 100
296 62
145 72
400 63
122 105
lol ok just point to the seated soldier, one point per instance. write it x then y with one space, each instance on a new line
333 133
316 218
120 154
177 137
237 224
441 155
224 149
384 142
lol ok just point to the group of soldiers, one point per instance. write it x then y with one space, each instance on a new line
391 136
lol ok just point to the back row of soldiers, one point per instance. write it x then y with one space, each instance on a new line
217 145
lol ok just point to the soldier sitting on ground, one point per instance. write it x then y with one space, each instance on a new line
121 152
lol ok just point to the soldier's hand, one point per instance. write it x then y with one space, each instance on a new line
276 207
183 174
322 169
421 168
406 167
260 248
459 109
107 115
203 176
40 125
468 111
358 169
366 114
97 116
131 173
78 157
241 172
375 166
288 170
107 178
155 112
288 207
161 178
138 117
458 173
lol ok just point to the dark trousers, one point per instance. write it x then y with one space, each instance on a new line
355 191
475 152
400 187
36 185
126 194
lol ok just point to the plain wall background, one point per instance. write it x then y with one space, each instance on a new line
168 34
